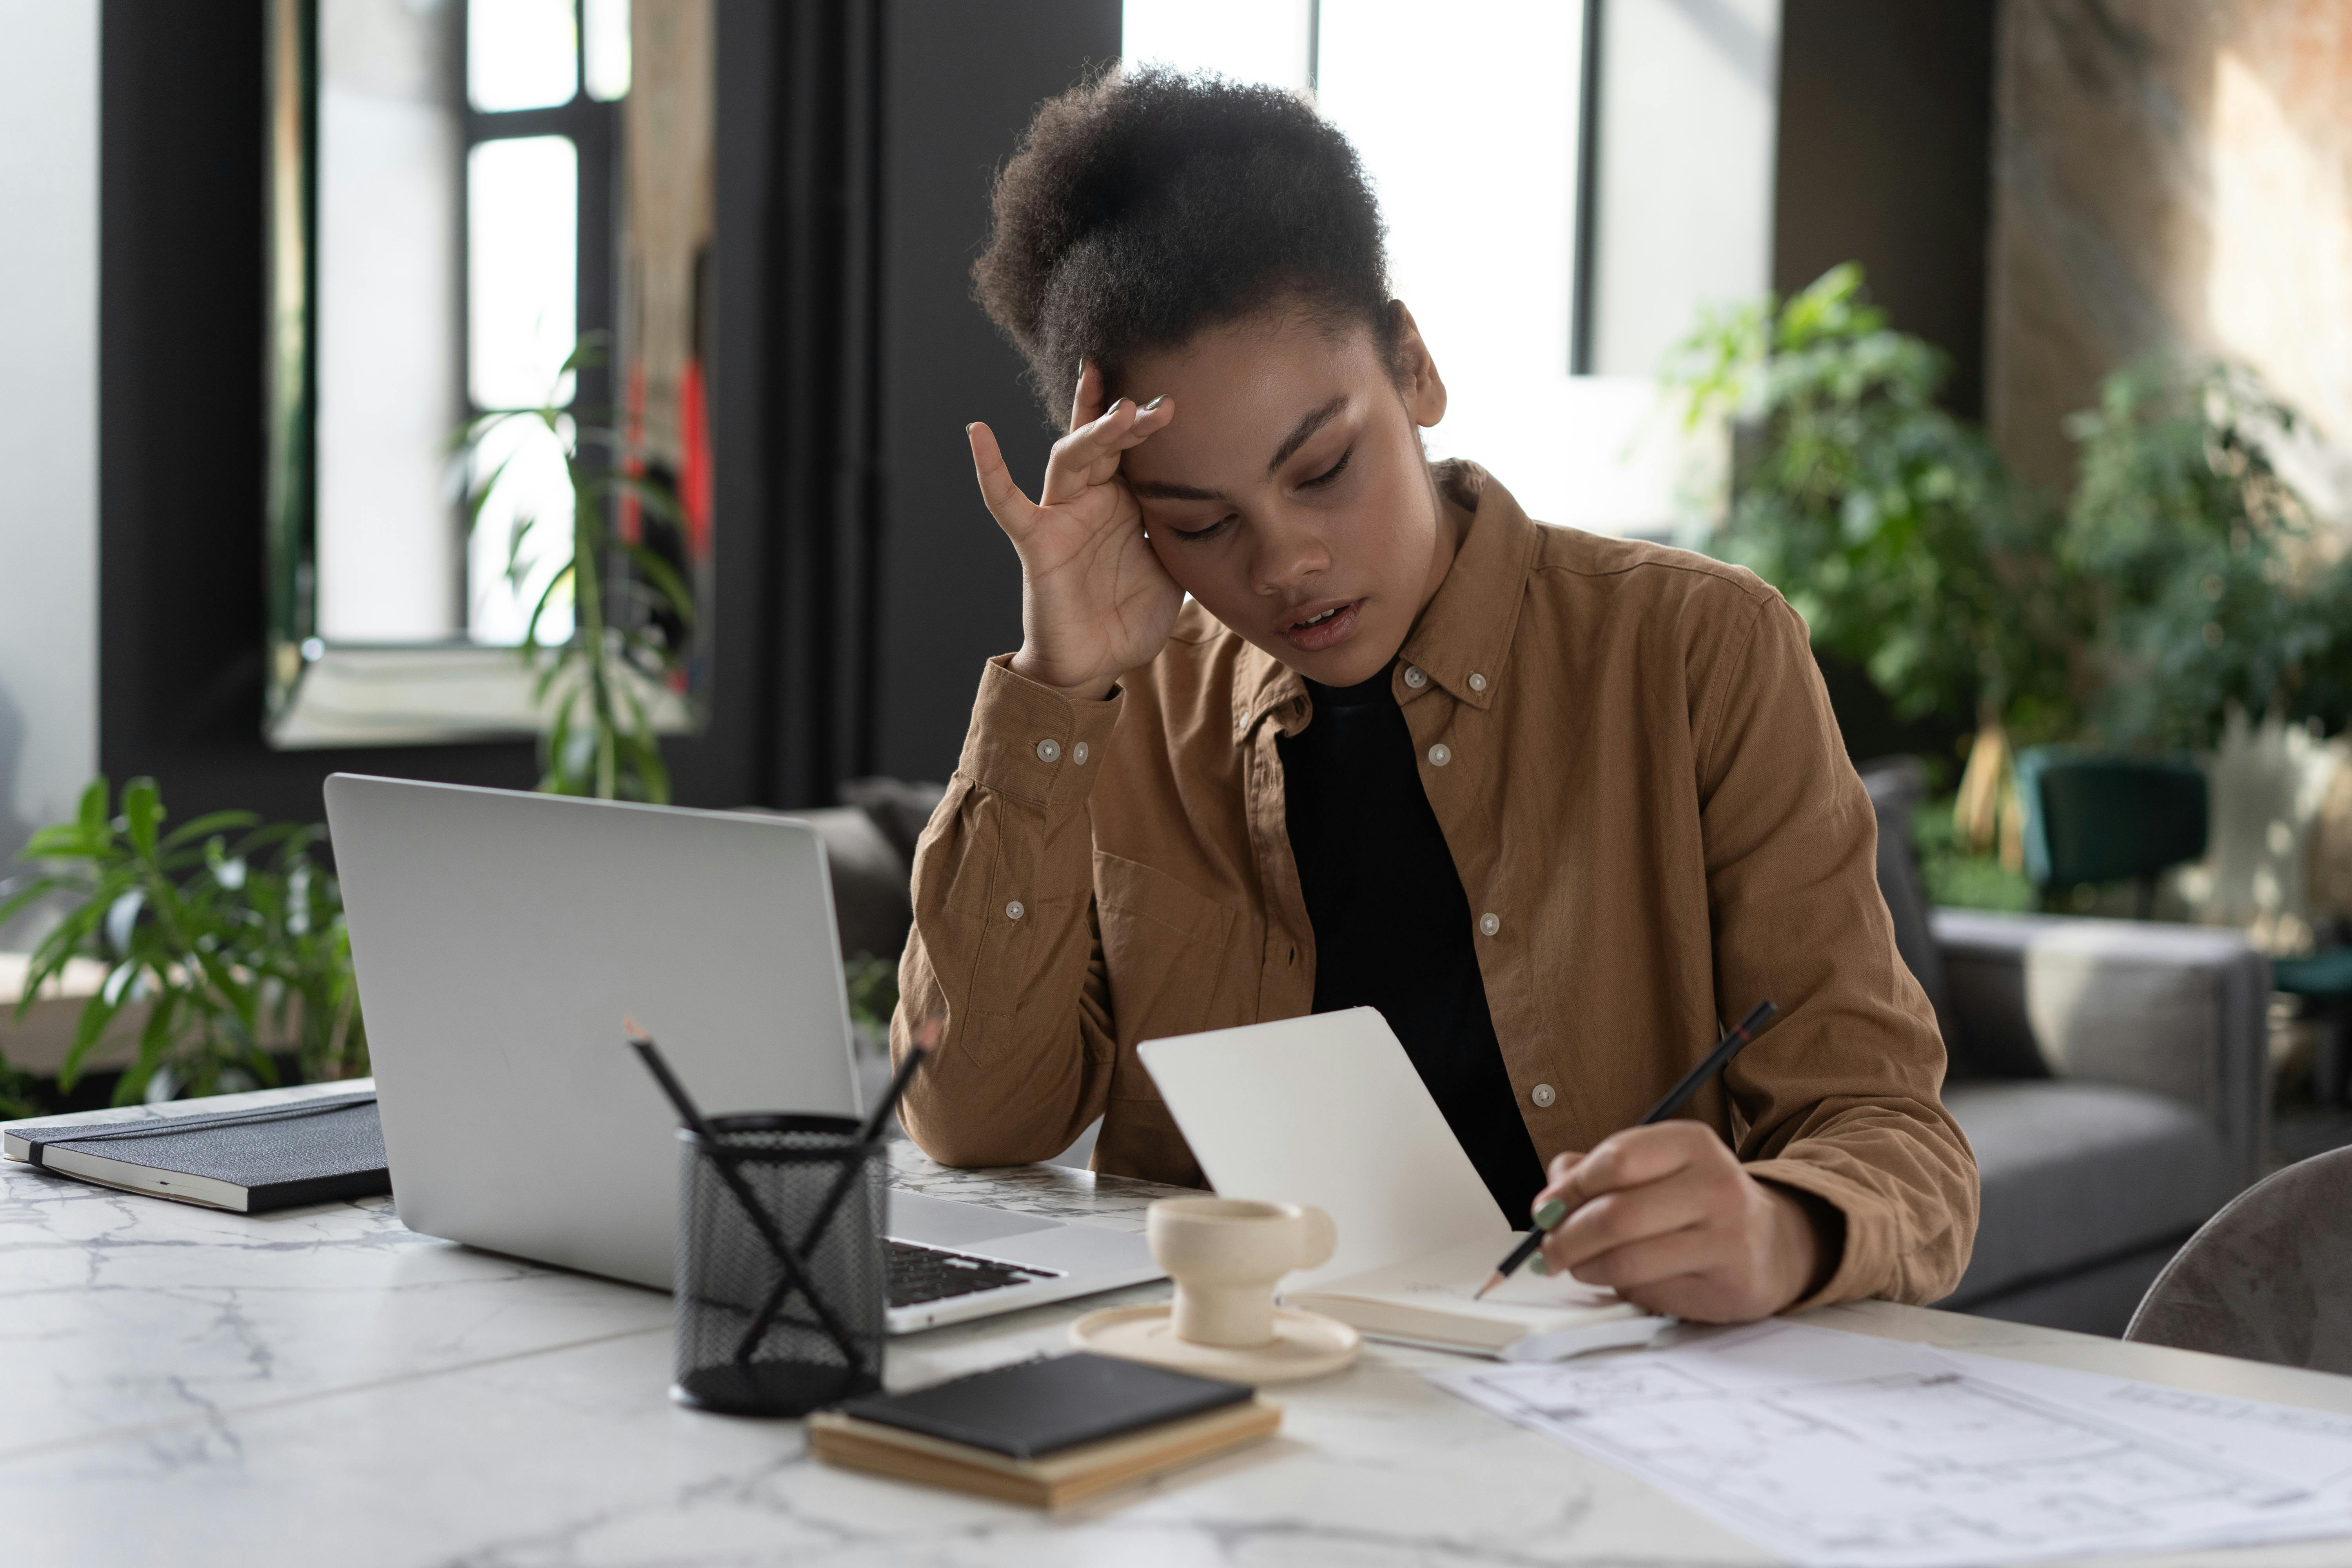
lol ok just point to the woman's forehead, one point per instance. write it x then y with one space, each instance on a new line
1246 402
1289 342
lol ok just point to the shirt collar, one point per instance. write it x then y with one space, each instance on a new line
1465 631
1263 685
1463 639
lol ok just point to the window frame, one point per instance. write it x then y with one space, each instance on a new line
454 690
592 126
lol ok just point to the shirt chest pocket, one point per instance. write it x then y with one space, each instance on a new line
1164 947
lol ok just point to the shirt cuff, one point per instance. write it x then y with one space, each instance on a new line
1031 742
1861 1266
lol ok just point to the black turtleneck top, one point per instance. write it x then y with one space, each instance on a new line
1391 924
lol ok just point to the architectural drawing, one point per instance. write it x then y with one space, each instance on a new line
1903 1457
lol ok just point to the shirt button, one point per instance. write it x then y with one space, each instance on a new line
1414 677
1013 912
1543 1094
1049 749
1440 754
1490 924
1078 754
1477 682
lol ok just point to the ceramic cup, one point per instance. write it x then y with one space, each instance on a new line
1225 1255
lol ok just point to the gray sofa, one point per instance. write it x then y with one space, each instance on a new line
2110 1074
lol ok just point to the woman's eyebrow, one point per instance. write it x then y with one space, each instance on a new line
1315 420
1160 490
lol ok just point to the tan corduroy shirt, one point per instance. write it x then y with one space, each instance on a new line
1633 761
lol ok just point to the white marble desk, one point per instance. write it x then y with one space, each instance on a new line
322 1386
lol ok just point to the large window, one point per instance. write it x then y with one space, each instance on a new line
1470 121
465 243
541 80
462 192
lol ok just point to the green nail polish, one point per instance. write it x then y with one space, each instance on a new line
1550 1212
1155 403
1539 1264
1114 406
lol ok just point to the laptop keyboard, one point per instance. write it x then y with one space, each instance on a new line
920 1274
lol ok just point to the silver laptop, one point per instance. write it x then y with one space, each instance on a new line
498 940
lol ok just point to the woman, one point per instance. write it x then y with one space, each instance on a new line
1560 807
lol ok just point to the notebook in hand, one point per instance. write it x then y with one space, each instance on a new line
259 1158
1047 1433
1327 1109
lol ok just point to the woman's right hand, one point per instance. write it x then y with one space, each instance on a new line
1095 601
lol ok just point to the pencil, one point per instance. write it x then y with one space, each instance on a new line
1675 1098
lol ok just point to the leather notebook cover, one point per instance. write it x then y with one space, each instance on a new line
1037 1408
310 1152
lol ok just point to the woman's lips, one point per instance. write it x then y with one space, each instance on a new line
1325 632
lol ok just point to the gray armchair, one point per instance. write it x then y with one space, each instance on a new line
2111 1076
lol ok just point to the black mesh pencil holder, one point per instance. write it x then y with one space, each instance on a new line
782 1269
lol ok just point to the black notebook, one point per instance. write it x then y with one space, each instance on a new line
1034 1408
269 1157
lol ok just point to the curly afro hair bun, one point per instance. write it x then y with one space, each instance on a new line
1144 207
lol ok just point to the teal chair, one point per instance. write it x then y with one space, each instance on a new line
2097 816
2105 816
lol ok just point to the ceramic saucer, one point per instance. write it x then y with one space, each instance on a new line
1306 1344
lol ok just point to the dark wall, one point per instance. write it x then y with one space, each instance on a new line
736 760
1884 157
961 84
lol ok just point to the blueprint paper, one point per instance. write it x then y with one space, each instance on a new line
1839 1450
2311 1449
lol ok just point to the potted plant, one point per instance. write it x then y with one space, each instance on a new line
1891 526
600 690
2213 586
230 932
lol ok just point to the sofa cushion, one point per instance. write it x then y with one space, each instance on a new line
2171 1007
900 809
2077 1174
872 910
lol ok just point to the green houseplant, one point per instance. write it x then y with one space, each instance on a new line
2184 578
2213 585
1890 525
633 614
231 934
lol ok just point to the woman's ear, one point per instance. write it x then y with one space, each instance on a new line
1417 379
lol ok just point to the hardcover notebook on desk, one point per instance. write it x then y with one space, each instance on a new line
1327 1109
250 1161
1047 1433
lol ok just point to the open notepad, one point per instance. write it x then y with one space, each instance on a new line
1434 1301
1327 1109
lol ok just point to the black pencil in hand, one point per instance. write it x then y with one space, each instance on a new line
1691 1083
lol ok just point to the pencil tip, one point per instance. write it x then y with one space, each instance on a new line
632 1028
1492 1281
